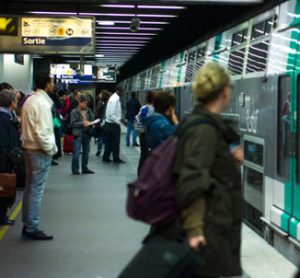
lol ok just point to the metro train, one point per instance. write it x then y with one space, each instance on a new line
263 56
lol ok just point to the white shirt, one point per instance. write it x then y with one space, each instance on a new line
37 123
113 110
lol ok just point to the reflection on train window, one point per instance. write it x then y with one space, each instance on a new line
239 37
257 57
190 66
236 61
283 126
262 28
254 153
298 132
200 59
154 77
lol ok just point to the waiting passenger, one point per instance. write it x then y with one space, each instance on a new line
132 109
145 111
160 125
81 118
9 140
112 127
208 180
100 114
39 144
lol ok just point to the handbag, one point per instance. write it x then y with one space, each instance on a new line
161 258
8 183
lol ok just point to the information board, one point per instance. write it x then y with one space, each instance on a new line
106 74
48 35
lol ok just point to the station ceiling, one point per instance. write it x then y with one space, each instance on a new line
166 26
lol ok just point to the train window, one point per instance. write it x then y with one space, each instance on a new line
200 59
298 132
283 126
262 28
190 66
257 57
254 153
236 61
154 77
239 37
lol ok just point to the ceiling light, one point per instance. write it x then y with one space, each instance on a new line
104 22
99 55
125 38
117 6
116 41
129 15
161 7
123 33
127 28
120 44
120 48
54 13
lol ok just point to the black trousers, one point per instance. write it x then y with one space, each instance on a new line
57 134
5 203
112 141
144 151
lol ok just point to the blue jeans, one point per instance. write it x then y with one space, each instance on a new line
37 166
100 141
83 141
130 127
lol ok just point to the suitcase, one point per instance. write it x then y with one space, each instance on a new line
68 143
8 185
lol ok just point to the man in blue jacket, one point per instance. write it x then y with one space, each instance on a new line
161 124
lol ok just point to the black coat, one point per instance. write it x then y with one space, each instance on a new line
9 139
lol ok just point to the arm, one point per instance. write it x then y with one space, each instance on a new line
76 122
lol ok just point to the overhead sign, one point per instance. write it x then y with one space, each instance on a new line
106 74
8 26
47 35
56 31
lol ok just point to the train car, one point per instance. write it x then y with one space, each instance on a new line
263 57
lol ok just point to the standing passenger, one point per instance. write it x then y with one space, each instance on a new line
113 128
208 187
39 144
132 109
81 118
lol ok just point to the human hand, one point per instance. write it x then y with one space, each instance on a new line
238 155
196 242
86 123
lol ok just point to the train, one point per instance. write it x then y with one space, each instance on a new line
262 55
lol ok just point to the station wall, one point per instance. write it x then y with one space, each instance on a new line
19 76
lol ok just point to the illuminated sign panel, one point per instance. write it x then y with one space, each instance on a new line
8 26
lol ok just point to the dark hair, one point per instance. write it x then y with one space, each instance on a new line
149 97
41 80
163 101
133 94
7 97
5 86
75 92
84 98
62 93
105 95
119 88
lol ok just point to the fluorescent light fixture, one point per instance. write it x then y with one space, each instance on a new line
120 44
125 38
117 6
143 22
116 41
128 28
53 13
129 33
161 7
106 22
129 15
99 55
121 48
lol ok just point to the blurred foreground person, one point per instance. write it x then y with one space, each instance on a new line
39 144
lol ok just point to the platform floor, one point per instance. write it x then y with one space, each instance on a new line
93 236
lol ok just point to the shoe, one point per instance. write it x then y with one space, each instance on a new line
54 163
88 171
119 161
106 160
76 173
127 145
38 235
7 221
136 145
98 153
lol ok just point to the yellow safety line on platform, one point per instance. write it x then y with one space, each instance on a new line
13 216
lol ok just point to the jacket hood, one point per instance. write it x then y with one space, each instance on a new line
155 117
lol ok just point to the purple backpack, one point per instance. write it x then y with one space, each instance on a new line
151 198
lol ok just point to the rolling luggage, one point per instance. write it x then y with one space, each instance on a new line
68 143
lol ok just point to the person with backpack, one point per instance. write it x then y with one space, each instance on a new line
161 124
190 185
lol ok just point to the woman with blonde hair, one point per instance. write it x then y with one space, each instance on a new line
208 181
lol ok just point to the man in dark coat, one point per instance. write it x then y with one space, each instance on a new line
9 139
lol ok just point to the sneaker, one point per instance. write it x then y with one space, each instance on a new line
7 221
98 153
106 160
54 163
136 145
38 235
88 171
76 173
119 161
